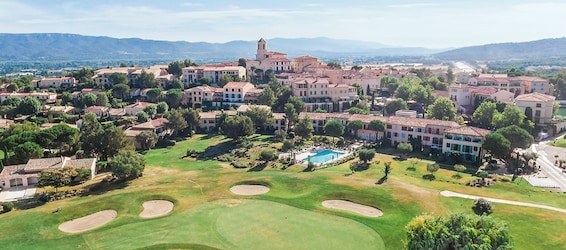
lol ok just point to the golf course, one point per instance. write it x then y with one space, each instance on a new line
281 208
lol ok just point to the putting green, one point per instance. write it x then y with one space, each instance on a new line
240 224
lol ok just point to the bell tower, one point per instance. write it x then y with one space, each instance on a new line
261 49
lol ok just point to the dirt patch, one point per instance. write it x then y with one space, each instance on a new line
88 222
249 189
353 207
156 208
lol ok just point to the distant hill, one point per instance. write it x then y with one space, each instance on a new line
540 49
63 47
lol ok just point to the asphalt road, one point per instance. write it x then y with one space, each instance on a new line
546 162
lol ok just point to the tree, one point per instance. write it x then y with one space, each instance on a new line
101 99
91 129
518 137
266 97
460 168
204 80
529 113
27 150
376 125
118 78
304 128
151 110
173 97
387 169
432 168
482 207
29 106
146 80
177 121
261 117
88 100
147 139
175 84
390 83
356 110
224 80
121 91
65 138
457 231
484 114
354 126
192 118
511 115
176 68
398 104
405 147
162 107
112 140
154 94
127 165
333 128
450 76
422 94
267 155
403 92
12 101
297 103
334 65
442 109
366 155
497 145
290 114
238 126
142 116
52 177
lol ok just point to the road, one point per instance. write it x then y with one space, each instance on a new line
518 203
546 162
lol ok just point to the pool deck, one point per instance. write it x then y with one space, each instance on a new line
305 153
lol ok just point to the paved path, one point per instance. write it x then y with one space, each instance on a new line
518 203
547 166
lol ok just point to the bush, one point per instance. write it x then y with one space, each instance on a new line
7 207
287 145
238 165
268 155
191 153
44 197
482 174
429 177
482 207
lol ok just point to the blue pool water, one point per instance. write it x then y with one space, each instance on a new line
324 156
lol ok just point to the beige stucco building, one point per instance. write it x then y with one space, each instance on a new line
541 105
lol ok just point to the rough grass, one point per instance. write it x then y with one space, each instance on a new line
559 143
208 216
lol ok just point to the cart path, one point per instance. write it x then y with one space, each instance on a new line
518 203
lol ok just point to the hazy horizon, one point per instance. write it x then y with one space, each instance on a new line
409 23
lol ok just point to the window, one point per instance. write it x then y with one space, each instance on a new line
402 135
539 105
447 145
395 134
389 126
404 128
475 148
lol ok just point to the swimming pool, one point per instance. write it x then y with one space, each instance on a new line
324 156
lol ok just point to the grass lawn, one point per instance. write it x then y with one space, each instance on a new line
1 155
208 216
559 143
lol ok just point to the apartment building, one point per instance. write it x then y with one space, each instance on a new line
46 97
213 72
402 129
463 96
541 105
533 84
465 140
55 82
320 93
303 63
497 81
235 92
268 60
200 96
100 76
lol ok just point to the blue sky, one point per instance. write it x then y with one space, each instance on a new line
432 24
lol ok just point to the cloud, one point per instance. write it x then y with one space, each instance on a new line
412 5
190 4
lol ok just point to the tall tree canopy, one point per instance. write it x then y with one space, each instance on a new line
304 128
457 231
442 109
483 115
238 126
392 106
333 128
127 165
497 145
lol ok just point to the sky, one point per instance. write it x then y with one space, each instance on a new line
399 23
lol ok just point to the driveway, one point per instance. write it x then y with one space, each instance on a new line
17 193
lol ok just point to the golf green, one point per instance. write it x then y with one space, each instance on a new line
234 224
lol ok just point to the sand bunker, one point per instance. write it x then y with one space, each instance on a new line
88 222
156 208
353 207
249 189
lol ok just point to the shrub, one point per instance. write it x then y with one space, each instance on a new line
482 207
191 153
7 207
238 165
44 197
287 145
268 155
429 177
482 174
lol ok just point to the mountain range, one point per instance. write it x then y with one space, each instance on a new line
66 47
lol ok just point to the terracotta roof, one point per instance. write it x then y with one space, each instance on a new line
535 97
45 163
156 123
94 108
140 104
467 130
236 84
420 122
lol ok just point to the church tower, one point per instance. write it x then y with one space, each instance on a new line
261 49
